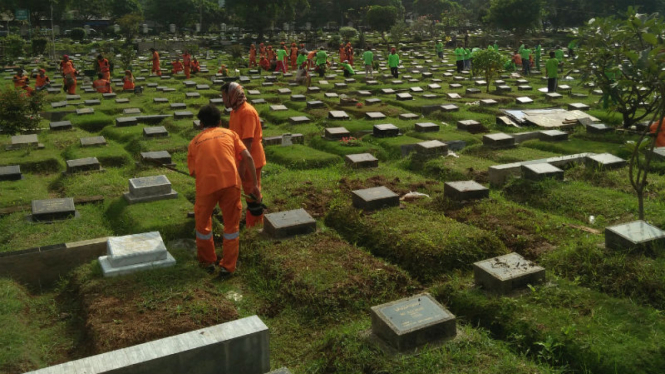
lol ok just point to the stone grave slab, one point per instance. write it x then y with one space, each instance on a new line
61 125
122 101
415 89
155 132
336 133
541 171
372 101
431 148
93 141
131 111
385 130
553 135
553 96
253 92
52 90
192 95
598 128
433 86
299 120
488 102
364 93
183 114
465 190
498 140
10 173
372 83
605 161
524 87
458 78
403 96
313 89
387 91
189 84
504 88
427 127
160 100
454 86
472 91
315 104
202 87
92 102
331 95
564 87
324 82
361 160
374 198
126 121
374 115
84 111
578 106
21 141
288 223
480 83
449 108
152 85
338 115
72 97
470 125
278 108
504 274
412 322
109 95
453 95
132 253
58 104
53 209
634 235
152 188
178 106
298 98
524 100
396 82
408 116
83 164
341 85
283 91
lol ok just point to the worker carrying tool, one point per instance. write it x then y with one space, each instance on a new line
215 157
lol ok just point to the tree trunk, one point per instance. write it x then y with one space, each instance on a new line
640 202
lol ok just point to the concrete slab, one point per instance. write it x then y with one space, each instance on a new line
465 190
361 160
336 133
385 130
61 125
93 141
155 132
83 164
152 188
498 140
53 209
10 173
537 172
605 161
431 148
504 274
427 127
374 198
289 223
634 235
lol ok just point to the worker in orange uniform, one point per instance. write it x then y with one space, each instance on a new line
187 63
244 120
342 53
252 56
271 53
294 56
196 67
69 77
128 81
310 59
264 63
177 66
213 157
42 81
659 134
21 81
102 85
262 51
63 62
103 67
155 63
349 53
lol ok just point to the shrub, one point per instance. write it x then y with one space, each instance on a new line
18 111
78 34
39 46
334 41
348 33
14 47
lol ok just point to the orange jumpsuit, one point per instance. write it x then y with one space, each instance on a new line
69 74
271 54
342 53
262 51
177 67
294 56
349 53
660 138
252 56
105 68
155 64
20 81
245 122
127 83
310 59
195 67
212 156
41 81
102 86
264 64
187 62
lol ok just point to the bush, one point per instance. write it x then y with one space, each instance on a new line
348 33
14 47
78 34
39 46
19 111
334 41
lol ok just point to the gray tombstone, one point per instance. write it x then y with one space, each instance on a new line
278 108
385 130
183 114
61 125
84 111
604 161
289 223
155 132
431 148
374 198
10 173
53 209
553 135
427 127
361 160
151 188
299 120
338 115
336 133
465 190
498 140
504 274
634 235
126 121
542 171
93 141
408 116
131 253
412 322
470 125
162 157
374 115
83 164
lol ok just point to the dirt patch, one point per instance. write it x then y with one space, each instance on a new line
118 321
316 201
478 175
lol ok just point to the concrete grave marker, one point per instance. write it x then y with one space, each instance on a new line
299 120
93 141
278 108
364 93
541 171
315 104
605 161
553 135
524 87
23 141
578 106
385 131
202 87
415 89
431 148
126 121
163 157
178 106
336 133
470 125
372 101
403 96
131 111
488 102
283 91
110 95
411 322
58 104
53 209
634 235
84 111
374 115
427 127
504 274
183 114
151 188
408 116
132 253
454 86
289 223
433 86
155 132
62 125
83 164
361 160
465 190
523 100
498 140
253 92
313 89
160 100
298 98
472 91
10 173
374 198
338 115
449 108
92 102
598 128
72 97
387 91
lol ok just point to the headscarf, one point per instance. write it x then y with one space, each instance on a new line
236 95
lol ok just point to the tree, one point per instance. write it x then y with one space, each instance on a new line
119 8
18 111
514 15
381 19
40 10
628 59
165 12
259 15
431 8
488 62
90 9
129 25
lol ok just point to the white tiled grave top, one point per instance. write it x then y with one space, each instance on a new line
135 249
508 266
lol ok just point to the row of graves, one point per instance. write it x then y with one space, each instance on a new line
360 128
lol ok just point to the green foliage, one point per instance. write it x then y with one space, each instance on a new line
77 34
422 28
348 33
333 42
129 25
127 55
381 18
120 8
18 111
487 62
517 15
38 46
14 47
397 32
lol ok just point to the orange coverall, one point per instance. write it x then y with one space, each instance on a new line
660 137
105 69
128 82
187 62
155 64
102 86
246 123
294 56
212 156
252 56
177 66
69 74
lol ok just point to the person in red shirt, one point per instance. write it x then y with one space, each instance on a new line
102 85
187 62
195 66
265 65
177 66
42 80
155 63
103 67
128 81
252 56
69 77
244 120
294 56
216 157
660 135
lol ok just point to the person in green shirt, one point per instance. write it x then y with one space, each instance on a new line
368 58
521 47
321 61
559 56
439 49
393 62
467 59
526 63
537 53
281 55
459 56
348 69
490 47
552 69
496 45
302 57
571 48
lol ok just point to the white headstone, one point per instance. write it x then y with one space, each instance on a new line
287 140
198 27
87 29
145 28
172 28
116 28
